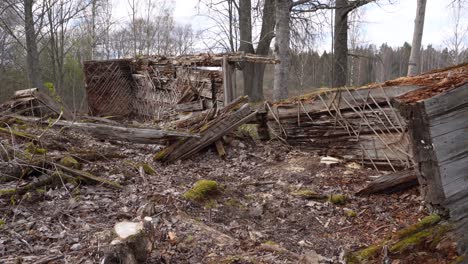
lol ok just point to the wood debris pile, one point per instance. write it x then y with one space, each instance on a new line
211 126
158 87
25 157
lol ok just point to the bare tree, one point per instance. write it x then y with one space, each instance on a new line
415 56
24 11
253 73
457 40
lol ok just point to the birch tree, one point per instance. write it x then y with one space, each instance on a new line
415 56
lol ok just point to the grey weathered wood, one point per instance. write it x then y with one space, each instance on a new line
103 131
361 95
447 101
220 126
190 107
439 132
391 183
228 77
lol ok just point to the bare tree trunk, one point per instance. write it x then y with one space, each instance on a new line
415 57
283 34
253 74
340 49
32 54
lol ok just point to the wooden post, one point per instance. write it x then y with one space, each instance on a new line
227 81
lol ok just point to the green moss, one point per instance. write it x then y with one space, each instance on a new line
33 149
70 162
440 232
201 190
2 223
308 194
270 243
40 190
338 199
6 192
148 169
426 222
410 241
350 213
249 130
364 254
162 154
18 133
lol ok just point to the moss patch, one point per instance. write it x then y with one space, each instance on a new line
33 149
148 169
2 223
249 130
350 213
309 195
338 199
410 241
6 192
364 254
426 222
201 190
270 243
70 162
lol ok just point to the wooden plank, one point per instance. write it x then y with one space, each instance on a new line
54 105
450 145
448 122
391 183
190 107
454 176
227 81
447 101
315 105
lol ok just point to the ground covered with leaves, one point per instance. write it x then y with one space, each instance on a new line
263 203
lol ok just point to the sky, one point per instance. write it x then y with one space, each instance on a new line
383 23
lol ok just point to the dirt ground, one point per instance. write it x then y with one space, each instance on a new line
255 218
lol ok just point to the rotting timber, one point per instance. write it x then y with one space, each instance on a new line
156 87
357 124
438 123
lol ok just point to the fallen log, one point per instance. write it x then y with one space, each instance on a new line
109 132
390 183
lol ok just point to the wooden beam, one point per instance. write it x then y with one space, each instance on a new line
227 81
390 183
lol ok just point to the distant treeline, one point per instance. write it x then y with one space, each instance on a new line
366 65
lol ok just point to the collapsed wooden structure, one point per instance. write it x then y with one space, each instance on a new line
419 122
354 124
156 87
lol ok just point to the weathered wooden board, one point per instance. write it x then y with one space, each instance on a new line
447 102
390 183
353 98
439 131
190 107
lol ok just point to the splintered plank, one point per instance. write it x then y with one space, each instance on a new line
390 183
228 120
